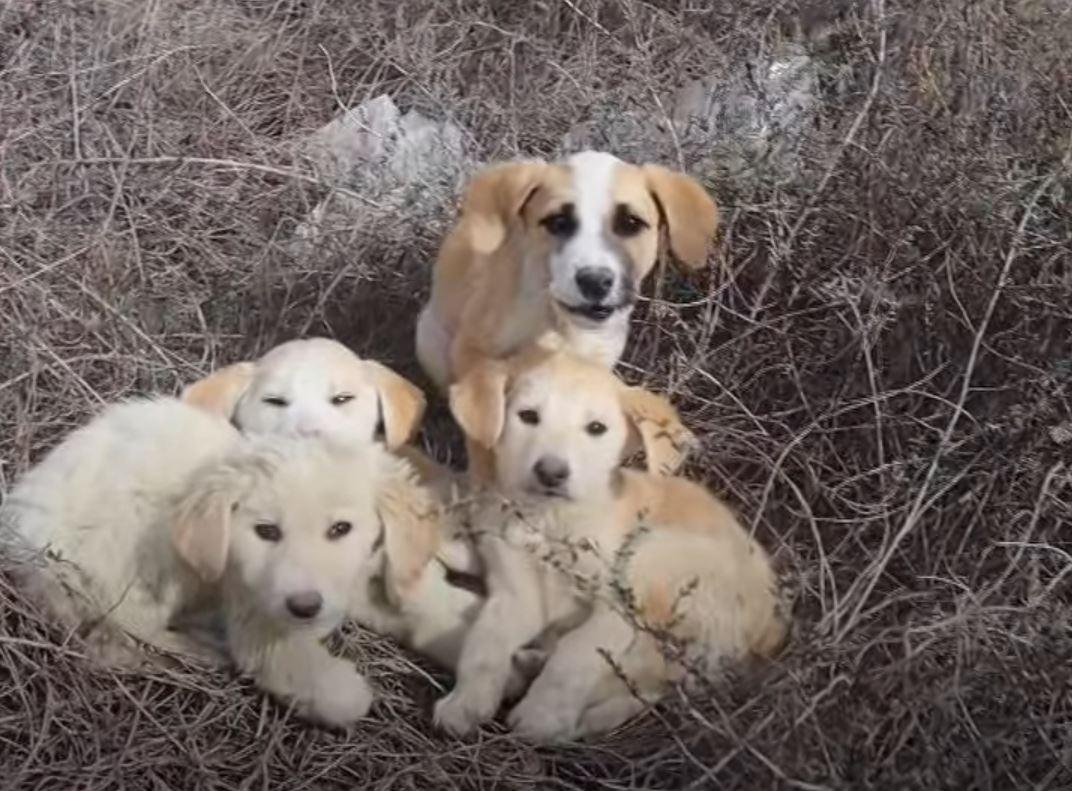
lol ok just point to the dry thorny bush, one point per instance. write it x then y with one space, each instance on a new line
877 364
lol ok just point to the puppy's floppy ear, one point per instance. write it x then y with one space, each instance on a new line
220 391
478 402
691 215
656 427
401 402
410 518
201 520
494 198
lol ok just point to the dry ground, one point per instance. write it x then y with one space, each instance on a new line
878 363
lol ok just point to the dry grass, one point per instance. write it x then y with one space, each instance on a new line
879 365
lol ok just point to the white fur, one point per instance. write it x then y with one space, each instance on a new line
95 500
308 374
433 616
593 184
602 343
106 502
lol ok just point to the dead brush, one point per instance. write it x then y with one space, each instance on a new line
878 365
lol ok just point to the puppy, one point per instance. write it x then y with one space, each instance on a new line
602 558
313 387
318 387
560 246
156 509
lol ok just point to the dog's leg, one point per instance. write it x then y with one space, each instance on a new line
507 621
298 669
553 706
607 715
485 665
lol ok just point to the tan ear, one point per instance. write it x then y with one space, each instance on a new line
401 402
494 198
478 402
691 215
220 391
657 428
410 520
201 523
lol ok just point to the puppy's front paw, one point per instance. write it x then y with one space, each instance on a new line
341 695
538 721
461 712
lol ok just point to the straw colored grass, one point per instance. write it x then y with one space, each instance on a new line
878 362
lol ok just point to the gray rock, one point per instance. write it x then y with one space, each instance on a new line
736 127
394 166
403 171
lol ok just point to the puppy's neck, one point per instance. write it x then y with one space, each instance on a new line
603 343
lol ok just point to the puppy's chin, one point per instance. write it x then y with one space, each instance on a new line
586 314
537 493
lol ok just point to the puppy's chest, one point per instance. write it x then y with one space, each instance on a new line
569 555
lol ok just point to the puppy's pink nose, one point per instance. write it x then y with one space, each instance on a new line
308 430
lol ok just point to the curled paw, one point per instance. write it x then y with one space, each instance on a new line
340 697
542 721
460 713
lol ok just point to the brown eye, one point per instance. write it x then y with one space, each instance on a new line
562 223
596 429
274 400
266 531
341 398
529 417
338 530
626 223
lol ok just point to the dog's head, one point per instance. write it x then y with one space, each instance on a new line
559 426
312 387
296 524
592 221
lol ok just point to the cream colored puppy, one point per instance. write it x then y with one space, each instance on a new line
156 509
313 387
563 246
318 387
574 538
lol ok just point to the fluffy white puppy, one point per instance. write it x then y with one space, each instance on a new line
317 387
156 509
313 386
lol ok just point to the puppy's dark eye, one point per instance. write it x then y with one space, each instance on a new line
595 428
562 223
341 398
274 400
266 531
529 417
338 530
626 223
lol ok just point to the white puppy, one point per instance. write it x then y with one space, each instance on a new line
318 387
156 508
313 386
601 558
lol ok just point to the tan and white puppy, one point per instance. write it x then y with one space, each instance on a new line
600 557
318 387
555 245
155 510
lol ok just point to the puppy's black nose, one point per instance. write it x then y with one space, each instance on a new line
305 605
551 471
594 282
